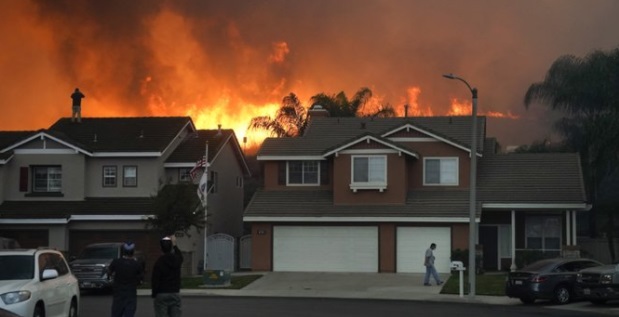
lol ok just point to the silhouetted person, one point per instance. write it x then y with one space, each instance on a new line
166 280
77 96
127 273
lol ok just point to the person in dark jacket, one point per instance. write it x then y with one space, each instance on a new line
166 279
77 97
127 273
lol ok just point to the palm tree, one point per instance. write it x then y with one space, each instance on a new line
338 105
291 118
585 89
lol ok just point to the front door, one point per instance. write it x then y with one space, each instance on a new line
488 238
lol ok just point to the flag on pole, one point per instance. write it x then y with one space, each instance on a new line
202 189
199 164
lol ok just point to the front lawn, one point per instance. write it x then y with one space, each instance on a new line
485 284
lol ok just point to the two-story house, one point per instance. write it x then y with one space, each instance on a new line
372 194
77 183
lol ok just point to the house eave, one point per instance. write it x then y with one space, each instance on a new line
359 219
127 154
61 221
290 158
533 206
110 217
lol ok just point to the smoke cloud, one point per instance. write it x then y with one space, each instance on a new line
223 62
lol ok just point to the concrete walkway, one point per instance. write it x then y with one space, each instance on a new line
400 286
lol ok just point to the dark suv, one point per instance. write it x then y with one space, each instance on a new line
91 266
599 284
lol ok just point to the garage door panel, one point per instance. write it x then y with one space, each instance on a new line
412 243
325 249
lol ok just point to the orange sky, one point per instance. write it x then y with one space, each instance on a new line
223 62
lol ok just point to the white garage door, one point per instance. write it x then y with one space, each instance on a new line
412 243
325 249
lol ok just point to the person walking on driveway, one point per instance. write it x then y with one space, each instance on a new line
127 273
430 269
166 279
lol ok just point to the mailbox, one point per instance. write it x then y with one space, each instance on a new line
457 266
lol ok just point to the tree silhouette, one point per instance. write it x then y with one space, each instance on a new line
586 90
292 117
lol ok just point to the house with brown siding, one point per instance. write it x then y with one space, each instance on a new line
371 195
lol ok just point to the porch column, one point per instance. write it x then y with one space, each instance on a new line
568 227
513 266
574 228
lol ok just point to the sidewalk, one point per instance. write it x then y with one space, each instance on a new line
396 286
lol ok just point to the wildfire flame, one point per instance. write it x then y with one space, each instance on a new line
176 59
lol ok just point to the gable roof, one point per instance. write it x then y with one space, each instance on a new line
531 178
149 135
328 132
367 137
193 148
8 138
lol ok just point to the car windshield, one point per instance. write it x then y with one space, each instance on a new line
99 253
538 266
16 267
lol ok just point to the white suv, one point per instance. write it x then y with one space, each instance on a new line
37 282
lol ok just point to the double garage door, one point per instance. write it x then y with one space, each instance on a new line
354 248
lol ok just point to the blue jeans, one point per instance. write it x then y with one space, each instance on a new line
430 270
168 305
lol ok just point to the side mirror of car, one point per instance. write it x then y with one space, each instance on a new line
49 274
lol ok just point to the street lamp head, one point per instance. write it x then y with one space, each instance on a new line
452 76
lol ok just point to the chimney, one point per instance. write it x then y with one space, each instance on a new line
218 130
406 110
317 111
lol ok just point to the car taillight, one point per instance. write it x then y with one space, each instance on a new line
539 279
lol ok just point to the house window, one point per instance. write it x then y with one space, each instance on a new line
213 184
303 172
440 171
130 176
184 175
505 241
47 179
369 172
109 176
543 233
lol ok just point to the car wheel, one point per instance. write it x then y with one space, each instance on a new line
562 295
73 308
598 301
38 311
527 300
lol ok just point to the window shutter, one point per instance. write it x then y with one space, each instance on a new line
281 173
324 172
23 179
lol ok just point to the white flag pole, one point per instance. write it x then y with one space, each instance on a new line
205 204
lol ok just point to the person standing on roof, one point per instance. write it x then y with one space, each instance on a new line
127 273
77 97
166 279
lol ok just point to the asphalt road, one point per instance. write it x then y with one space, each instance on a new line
98 305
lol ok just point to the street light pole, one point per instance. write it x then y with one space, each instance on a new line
472 186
